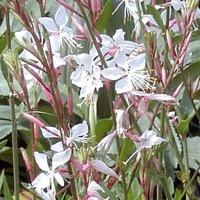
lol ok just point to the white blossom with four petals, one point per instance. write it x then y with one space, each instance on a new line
87 76
44 182
132 75
58 29
78 133
146 141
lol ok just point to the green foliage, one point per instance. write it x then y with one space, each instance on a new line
127 150
177 195
193 151
151 169
183 126
103 20
156 15
102 128
193 49
7 192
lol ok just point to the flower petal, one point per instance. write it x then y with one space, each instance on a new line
49 134
59 178
123 85
156 140
176 4
102 167
61 17
41 181
85 60
48 23
93 186
58 61
138 63
79 130
57 147
41 160
49 195
56 42
118 37
61 158
112 73
23 34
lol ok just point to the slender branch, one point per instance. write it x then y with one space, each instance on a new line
189 182
118 145
188 92
13 118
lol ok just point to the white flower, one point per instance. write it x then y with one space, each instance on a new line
78 133
132 75
86 76
101 167
164 98
44 182
146 141
105 143
92 191
129 7
176 4
149 139
38 66
118 47
59 29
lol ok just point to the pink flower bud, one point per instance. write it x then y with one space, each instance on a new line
96 9
33 119
27 163
80 28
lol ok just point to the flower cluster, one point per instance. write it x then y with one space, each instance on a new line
136 76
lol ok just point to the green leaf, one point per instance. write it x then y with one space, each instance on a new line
7 193
4 90
2 177
186 107
170 158
144 123
6 156
192 70
78 110
103 19
103 107
193 151
5 112
177 195
103 126
3 43
193 50
6 128
3 143
137 191
156 15
126 152
183 126
170 184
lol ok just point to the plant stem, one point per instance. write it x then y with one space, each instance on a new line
143 33
118 145
189 182
174 145
92 115
13 118
91 31
160 155
131 115
188 92
165 188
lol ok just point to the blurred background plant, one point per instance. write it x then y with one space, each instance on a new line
130 69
